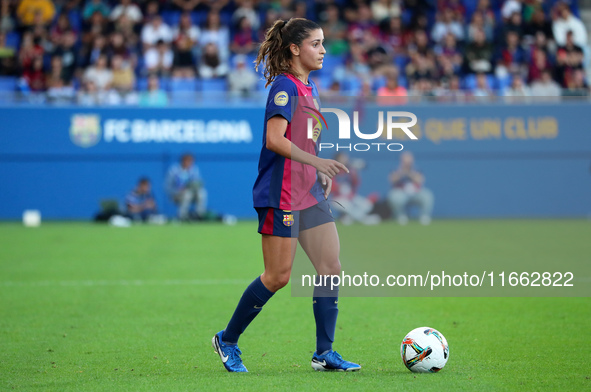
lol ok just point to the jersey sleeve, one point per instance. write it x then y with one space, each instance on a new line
280 99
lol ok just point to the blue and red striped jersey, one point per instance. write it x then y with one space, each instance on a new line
281 182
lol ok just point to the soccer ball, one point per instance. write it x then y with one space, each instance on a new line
424 350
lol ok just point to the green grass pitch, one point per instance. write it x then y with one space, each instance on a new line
94 308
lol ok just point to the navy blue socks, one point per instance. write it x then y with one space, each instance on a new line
250 305
325 307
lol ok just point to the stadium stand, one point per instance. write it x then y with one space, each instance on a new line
365 40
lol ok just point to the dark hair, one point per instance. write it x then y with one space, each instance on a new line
274 51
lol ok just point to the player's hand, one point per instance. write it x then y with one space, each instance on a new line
330 167
326 184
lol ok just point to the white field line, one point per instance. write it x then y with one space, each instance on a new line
123 282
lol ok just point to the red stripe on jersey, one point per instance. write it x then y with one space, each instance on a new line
285 200
269 222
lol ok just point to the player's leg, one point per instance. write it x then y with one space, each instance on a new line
321 244
278 253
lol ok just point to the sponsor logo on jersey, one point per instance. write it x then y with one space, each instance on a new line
281 98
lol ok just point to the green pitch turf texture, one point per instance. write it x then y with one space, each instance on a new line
94 308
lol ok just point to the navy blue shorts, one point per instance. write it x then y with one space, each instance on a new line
283 223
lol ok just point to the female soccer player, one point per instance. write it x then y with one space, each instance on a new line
290 194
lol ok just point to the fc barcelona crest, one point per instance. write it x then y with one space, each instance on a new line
85 130
288 219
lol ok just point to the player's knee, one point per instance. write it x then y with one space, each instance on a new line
276 281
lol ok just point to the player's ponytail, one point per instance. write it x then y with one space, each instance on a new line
274 52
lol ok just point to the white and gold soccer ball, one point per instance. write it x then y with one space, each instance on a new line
424 350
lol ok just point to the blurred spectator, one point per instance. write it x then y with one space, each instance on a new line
246 10
123 76
449 50
125 27
538 64
479 54
545 86
515 24
92 52
349 205
483 90
420 67
185 188
511 7
385 9
484 8
392 89
539 23
183 62
59 92
512 58
96 26
576 85
187 28
408 188
158 60
154 31
518 89
154 96
99 74
451 91
29 51
565 21
186 5
479 22
362 27
88 95
447 24
394 38
242 80
117 47
7 56
140 203
27 10
568 59
244 41
212 65
61 27
35 76
335 31
127 8
68 55
93 6
214 32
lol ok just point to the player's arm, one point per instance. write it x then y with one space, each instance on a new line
279 144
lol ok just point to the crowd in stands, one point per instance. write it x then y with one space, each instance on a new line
137 51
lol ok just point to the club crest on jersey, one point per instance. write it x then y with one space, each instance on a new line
288 219
281 98
315 129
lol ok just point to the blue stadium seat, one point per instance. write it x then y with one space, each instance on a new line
351 86
261 85
330 63
171 17
8 83
13 39
183 97
214 85
184 85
